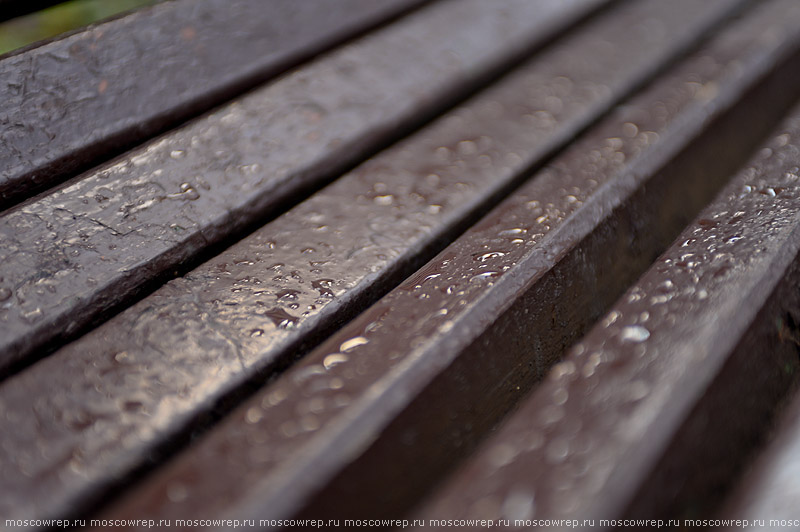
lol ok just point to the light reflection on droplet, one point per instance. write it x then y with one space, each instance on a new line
634 333
334 359
352 343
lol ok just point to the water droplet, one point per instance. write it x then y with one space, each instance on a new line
490 255
630 130
467 147
309 423
5 293
253 415
502 454
557 451
562 369
188 192
451 289
255 333
443 153
177 154
483 276
592 363
334 359
352 343
518 505
288 429
281 318
387 199
611 318
250 168
191 194
638 390
560 396
287 294
323 285
274 398
426 279
32 316
634 333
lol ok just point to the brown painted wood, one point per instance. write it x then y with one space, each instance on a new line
363 424
69 257
76 101
138 381
654 412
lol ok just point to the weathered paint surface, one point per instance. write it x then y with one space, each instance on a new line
70 102
653 412
300 433
69 256
138 380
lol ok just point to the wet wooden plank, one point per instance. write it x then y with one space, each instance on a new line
16 8
68 257
392 398
93 410
654 412
76 101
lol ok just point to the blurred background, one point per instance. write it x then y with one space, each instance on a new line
53 21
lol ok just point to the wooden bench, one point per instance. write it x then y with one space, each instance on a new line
460 260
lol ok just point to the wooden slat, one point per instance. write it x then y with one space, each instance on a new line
73 101
362 425
653 413
136 382
68 257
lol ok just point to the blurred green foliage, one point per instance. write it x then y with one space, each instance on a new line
61 18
